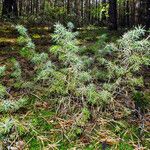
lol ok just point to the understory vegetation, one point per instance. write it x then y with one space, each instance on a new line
76 96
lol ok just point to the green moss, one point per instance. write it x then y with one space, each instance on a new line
93 146
34 144
142 99
40 121
125 146
46 113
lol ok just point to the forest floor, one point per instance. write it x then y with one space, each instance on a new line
49 128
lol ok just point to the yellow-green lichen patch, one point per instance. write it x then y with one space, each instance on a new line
36 36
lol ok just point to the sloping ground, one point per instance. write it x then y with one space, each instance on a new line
40 124
8 36
9 47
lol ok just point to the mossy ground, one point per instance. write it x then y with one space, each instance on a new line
46 128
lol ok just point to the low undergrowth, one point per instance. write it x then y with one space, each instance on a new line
77 97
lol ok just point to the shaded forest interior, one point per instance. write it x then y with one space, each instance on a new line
124 13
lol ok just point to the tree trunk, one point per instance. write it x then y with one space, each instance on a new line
103 13
10 8
127 14
86 12
20 7
78 12
132 16
137 12
89 15
147 19
68 7
82 11
113 14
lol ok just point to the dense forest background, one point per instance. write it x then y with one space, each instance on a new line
124 13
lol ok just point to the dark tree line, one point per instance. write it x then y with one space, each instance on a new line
114 13
9 8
